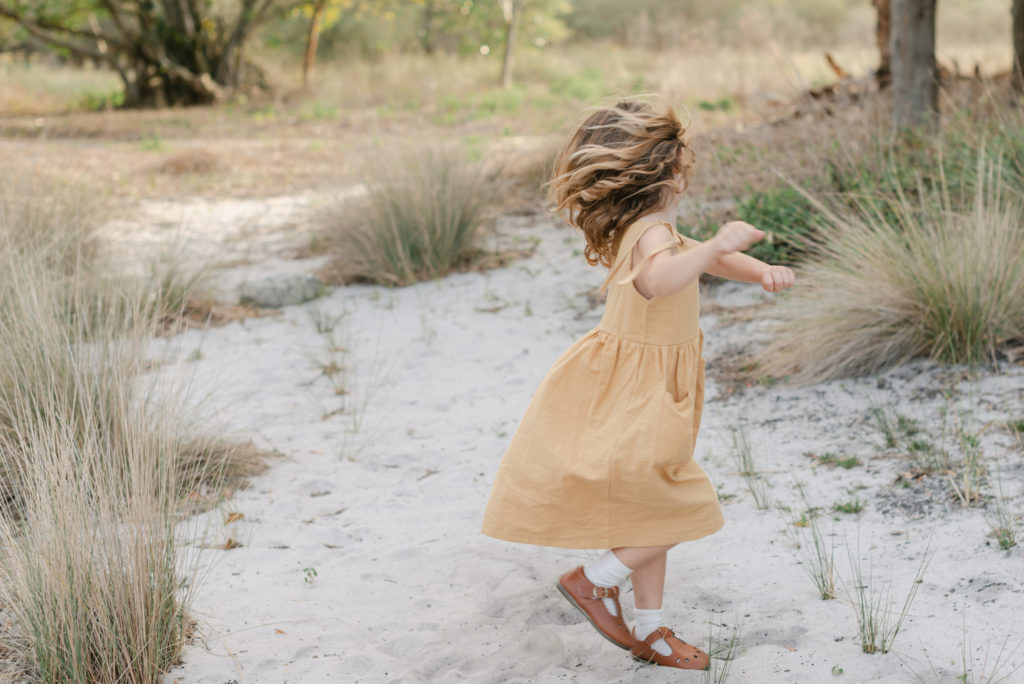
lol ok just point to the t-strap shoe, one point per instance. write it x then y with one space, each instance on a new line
684 656
587 597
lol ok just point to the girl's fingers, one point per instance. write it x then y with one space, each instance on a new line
777 279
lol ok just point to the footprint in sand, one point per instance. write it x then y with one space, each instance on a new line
553 613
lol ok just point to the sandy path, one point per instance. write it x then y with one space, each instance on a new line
388 511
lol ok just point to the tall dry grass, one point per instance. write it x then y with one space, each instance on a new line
898 277
96 462
421 218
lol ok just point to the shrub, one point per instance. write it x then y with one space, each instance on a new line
420 219
95 465
936 280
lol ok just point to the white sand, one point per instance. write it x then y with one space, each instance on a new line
385 501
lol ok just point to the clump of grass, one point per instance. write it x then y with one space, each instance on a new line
850 506
1001 519
95 463
905 277
723 648
91 464
743 457
817 555
829 458
421 219
986 672
877 625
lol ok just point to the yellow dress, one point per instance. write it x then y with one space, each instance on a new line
603 456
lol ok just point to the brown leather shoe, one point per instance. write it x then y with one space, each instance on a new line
582 593
684 656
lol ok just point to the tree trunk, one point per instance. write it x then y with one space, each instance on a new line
512 22
165 55
313 40
1018 45
914 71
883 74
427 39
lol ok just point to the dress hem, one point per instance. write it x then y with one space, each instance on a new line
612 543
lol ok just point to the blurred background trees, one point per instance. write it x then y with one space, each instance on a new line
166 52
180 52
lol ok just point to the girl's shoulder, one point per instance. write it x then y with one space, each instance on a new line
648 230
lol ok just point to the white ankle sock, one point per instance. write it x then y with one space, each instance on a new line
607 571
648 620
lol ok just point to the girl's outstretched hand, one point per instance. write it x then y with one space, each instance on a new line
736 236
777 278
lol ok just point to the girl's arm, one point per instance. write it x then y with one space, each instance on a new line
746 269
667 273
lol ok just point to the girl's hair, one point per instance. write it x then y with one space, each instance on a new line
619 165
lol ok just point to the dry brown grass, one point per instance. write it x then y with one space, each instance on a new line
99 457
421 218
901 277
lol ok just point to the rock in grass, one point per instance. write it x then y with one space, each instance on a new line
276 291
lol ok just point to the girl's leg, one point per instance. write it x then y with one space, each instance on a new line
649 581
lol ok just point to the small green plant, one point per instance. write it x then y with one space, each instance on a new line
876 624
310 575
743 457
886 425
325 322
967 482
851 506
971 673
95 101
818 555
1001 519
829 458
723 648
153 142
722 104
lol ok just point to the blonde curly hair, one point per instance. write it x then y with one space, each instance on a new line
620 164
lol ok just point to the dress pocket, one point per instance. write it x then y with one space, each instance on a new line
675 431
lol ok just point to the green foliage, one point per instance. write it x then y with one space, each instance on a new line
726 103
377 28
587 85
93 101
785 214
485 104
917 164
850 506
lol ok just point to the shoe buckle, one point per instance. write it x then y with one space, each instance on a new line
603 592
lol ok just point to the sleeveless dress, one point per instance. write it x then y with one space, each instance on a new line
603 456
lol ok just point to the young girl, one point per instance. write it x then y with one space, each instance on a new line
603 457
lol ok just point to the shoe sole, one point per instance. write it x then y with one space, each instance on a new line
570 599
645 661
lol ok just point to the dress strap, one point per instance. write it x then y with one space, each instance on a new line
626 249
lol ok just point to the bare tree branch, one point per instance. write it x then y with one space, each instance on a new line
47 37
115 14
54 26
